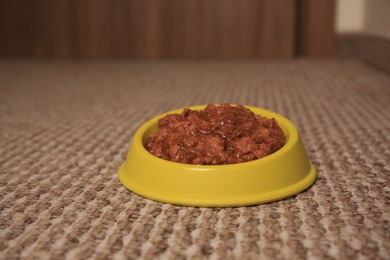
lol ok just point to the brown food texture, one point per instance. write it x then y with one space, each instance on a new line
219 134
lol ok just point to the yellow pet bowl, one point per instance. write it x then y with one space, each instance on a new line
279 175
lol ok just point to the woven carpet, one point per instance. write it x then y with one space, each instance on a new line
65 128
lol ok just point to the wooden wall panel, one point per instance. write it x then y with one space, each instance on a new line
147 28
316 28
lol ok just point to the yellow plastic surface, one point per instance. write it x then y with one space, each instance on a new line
274 177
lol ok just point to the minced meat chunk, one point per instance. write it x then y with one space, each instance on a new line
219 134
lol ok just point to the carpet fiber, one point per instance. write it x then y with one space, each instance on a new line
65 128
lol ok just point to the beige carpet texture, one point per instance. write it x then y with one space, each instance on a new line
65 128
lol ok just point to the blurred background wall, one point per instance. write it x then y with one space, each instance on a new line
88 29
261 29
363 31
363 16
